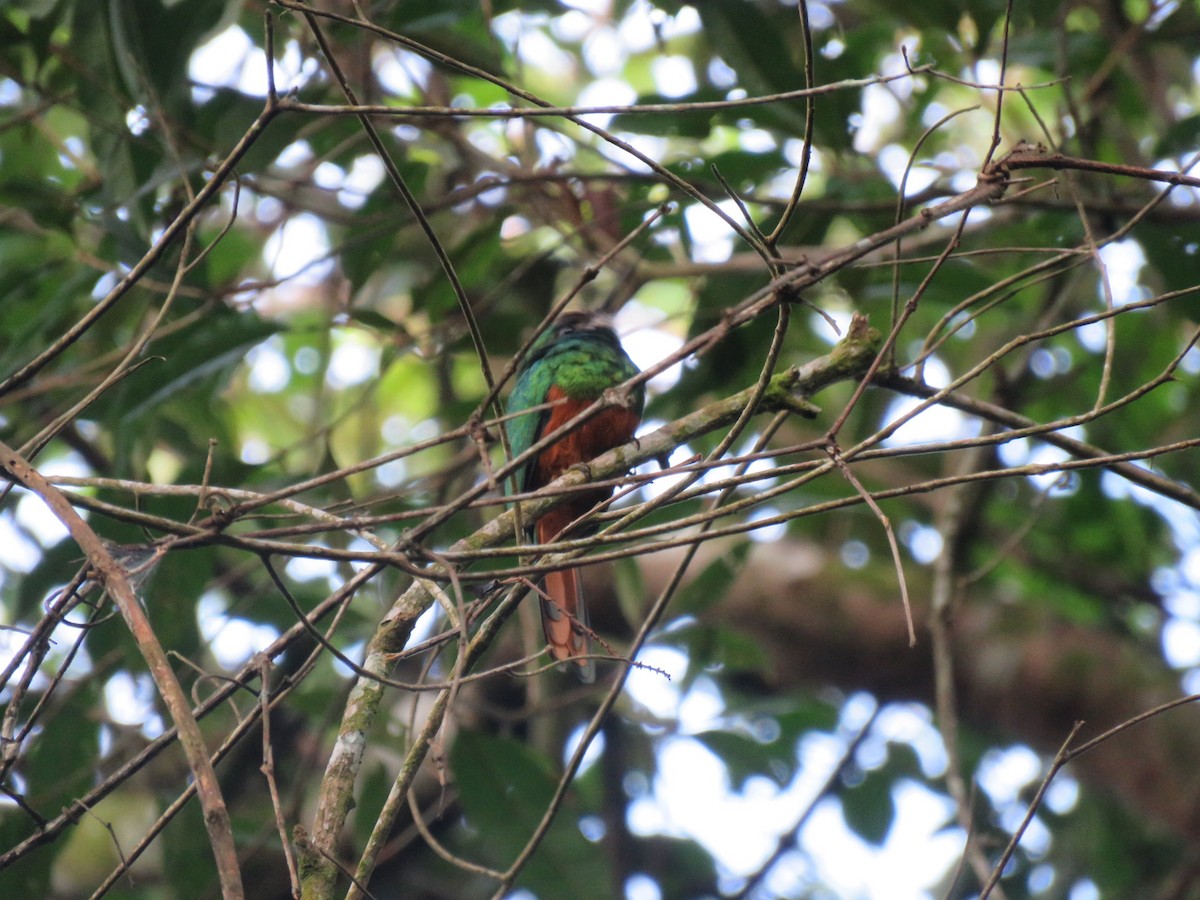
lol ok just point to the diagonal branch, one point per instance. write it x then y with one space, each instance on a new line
116 581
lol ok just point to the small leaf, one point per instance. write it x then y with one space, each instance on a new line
868 807
505 788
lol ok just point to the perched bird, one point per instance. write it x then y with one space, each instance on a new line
569 367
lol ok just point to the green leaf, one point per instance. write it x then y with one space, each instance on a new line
764 49
868 807
186 359
745 757
59 754
682 124
505 788
713 582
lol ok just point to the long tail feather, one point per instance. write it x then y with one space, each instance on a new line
565 620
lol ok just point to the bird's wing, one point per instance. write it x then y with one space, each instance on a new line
523 431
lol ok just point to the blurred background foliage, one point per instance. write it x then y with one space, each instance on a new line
298 324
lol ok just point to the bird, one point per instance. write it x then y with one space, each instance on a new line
567 369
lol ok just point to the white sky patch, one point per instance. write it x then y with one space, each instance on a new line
392 474
1190 566
352 362
329 176
1005 773
239 640
298 251
231 640
701 707
400 72
487 137
1191 361
1047 362
685 22
267 210
307 568
10 92
987 71
1182 195
590 756
892 162
573 26
297 153
936 423
759 467
10 644
366 173
20 554
924 542
1015 452
514 227
270 371
1044 454
912 724
1181 642
693 797
646 344
230 59
210 613
880 111
603 52
649 146
598 8
661 483
606 92
636 30
104 284
650 688
712 236
674 76
756 140
396 429
1123 261
1035 840
136 121
767 533
822 328
353 651
36 517
507 27
537 49
425 626
1181 602
894 64
254 451
222 59
720 73
130 701
855 554
917 853
833 48
642 887
820 16
552 148
1062 794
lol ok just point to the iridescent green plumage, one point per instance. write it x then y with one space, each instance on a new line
579 355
